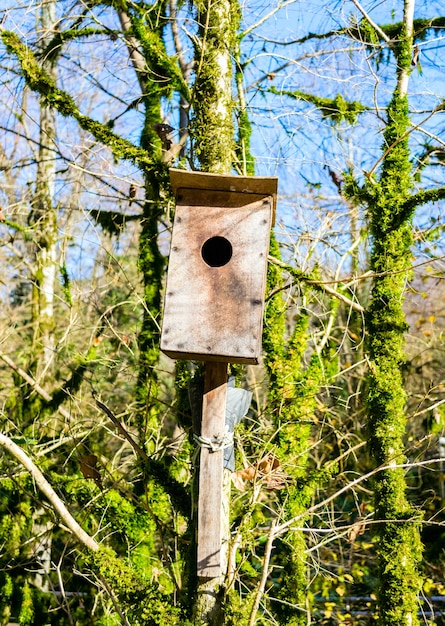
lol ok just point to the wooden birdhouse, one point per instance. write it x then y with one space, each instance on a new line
214 299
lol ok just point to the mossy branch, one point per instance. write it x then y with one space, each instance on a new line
318 285
364 33
49 400
136 601
112 222
169 74
26 230
309 37
155 469
420 198
39 81
394 32
52 50
336 109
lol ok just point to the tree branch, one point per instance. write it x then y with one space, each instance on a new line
318 284
155 469
39 81
265 573
422 197
49 492
280 5
35 386
371 22
139 451
136 57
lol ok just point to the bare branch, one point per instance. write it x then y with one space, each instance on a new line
139 451
280 530
265 573
371 22
49 492
280 5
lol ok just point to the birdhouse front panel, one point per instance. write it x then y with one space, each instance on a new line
214 298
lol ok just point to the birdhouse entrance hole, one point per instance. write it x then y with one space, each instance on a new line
217 251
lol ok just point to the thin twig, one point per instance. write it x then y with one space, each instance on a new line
284 527
114 601
139 451
371 22
440 107
280 5
265 573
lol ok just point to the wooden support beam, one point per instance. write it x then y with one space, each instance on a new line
211 472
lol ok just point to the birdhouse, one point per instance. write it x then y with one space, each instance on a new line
214 298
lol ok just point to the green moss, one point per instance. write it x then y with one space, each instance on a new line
212 122
335 109
243 147
398 546
54 47
151 265
142 602
420 198
66 284
41 82
367 34
163 69
293 388
243 144
26 616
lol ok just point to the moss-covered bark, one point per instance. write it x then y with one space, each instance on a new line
212 126
292 398
43 221
399 547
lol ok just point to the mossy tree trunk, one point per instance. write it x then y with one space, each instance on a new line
43 220
143 37
293 387
213 147
212 128
399 546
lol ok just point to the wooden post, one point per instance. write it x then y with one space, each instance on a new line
211 472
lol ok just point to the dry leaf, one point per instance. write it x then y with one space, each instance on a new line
357 529
88 467
268 471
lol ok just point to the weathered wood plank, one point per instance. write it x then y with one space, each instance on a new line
262 185
211 472
215 311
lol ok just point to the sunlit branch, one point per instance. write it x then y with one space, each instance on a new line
49 492
265 572
371 22
323 286
280 5
283 528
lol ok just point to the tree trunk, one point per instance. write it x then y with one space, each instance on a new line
399 546
43 220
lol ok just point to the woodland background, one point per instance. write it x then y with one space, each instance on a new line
337 500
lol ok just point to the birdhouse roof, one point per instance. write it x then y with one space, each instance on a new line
203 181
